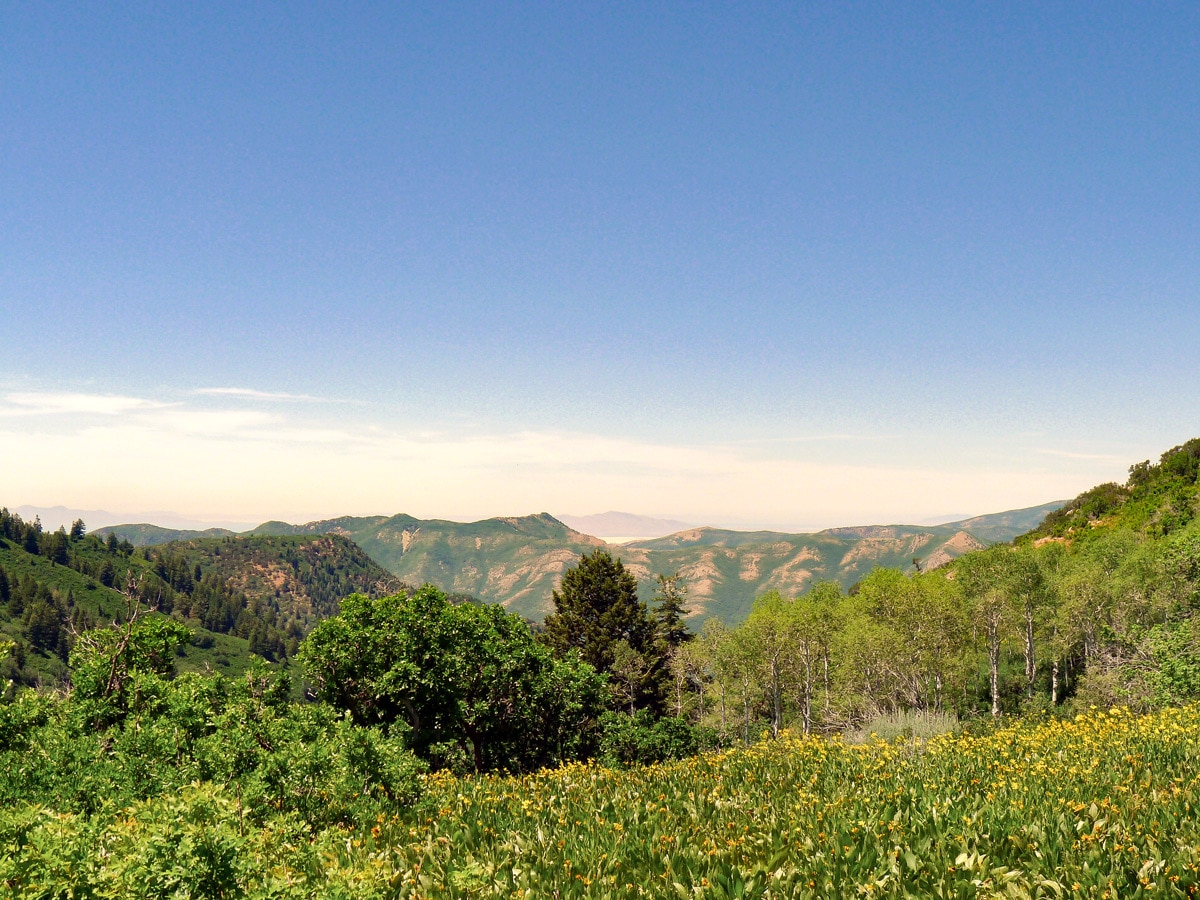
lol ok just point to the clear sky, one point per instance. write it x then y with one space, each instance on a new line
746 264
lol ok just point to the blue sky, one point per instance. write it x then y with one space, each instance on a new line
747 264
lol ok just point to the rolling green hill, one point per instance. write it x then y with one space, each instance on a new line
145 535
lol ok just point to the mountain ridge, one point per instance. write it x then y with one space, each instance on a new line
518 560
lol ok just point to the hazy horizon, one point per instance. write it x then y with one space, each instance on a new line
789 264
56 516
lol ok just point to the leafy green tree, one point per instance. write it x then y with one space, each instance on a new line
469 682
738 668
865 651
709 661
508 693
1034 601
382 659
106 663
921 637
808 650
826 618
770 634
984 576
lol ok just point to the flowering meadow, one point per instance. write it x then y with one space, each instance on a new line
1103 805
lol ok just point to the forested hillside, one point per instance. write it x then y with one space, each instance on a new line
145 535
304 578
240 596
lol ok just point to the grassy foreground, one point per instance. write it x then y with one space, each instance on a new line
1101 806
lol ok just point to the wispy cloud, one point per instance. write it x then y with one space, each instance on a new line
221 457
36 403
252 394
813 439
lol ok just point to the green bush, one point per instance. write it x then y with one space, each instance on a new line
641 738
280 758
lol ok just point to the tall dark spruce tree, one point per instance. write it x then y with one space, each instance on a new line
597 612
670 611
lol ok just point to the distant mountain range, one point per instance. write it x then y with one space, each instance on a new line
54 517
623 524
146 535
517 561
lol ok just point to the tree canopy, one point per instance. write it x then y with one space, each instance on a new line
468 682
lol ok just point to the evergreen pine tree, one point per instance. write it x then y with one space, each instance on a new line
670 611
598 613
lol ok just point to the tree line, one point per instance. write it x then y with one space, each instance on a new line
1098 606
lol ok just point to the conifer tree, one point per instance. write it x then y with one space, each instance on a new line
598 613
670 611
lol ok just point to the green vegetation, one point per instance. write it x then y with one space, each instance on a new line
129 732
1099 806
1036 696
239 596
468 685
1157 500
